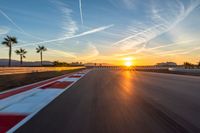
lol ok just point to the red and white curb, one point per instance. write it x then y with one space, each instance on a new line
20 105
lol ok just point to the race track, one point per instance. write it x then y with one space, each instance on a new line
114 101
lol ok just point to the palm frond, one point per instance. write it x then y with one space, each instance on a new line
21 52
41 48
17 52
5 43
37 50
8 40
13 39
45 49
24 52
8 37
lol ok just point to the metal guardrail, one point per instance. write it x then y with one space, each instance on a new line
184 70
150 68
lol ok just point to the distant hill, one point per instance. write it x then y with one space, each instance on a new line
4 62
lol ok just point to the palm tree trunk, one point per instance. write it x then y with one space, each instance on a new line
41 57
10 50
21 59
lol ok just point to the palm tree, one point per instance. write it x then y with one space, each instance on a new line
22 53
188 65
9 41
40 49
199 64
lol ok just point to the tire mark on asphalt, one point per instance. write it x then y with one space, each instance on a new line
170 121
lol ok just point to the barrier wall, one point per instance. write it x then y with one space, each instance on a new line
184 70
18 70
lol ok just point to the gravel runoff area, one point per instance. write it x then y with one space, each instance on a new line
17 80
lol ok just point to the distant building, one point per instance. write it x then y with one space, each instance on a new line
166 64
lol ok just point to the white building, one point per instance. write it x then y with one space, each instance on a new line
166 64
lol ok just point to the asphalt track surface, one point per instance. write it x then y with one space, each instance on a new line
113 101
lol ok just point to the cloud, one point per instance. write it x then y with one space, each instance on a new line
18 27
175 14
155 50
142 48
68 24
142 36
75 36
88 53
161 21
179 52
62 53
4 30
96 30
171 44
81 11
129 4
9 19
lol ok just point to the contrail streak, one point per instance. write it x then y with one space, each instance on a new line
18 27
75 36
5 15
81 13
132 36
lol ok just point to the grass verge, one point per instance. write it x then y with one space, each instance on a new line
16 80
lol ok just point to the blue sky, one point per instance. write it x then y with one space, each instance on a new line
148 31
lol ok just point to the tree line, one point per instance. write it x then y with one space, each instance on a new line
188 65
9 41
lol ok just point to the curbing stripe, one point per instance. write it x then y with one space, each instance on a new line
26 119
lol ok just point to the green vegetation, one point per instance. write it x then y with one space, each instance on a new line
60 64
9 41
65 64
40 50
21 52
18 80
188 65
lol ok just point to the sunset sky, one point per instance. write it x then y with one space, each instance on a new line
104 31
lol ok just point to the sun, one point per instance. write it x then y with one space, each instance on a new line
128 63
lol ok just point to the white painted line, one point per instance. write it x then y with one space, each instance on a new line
69 79
32 103
13 129
16 98
78 74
